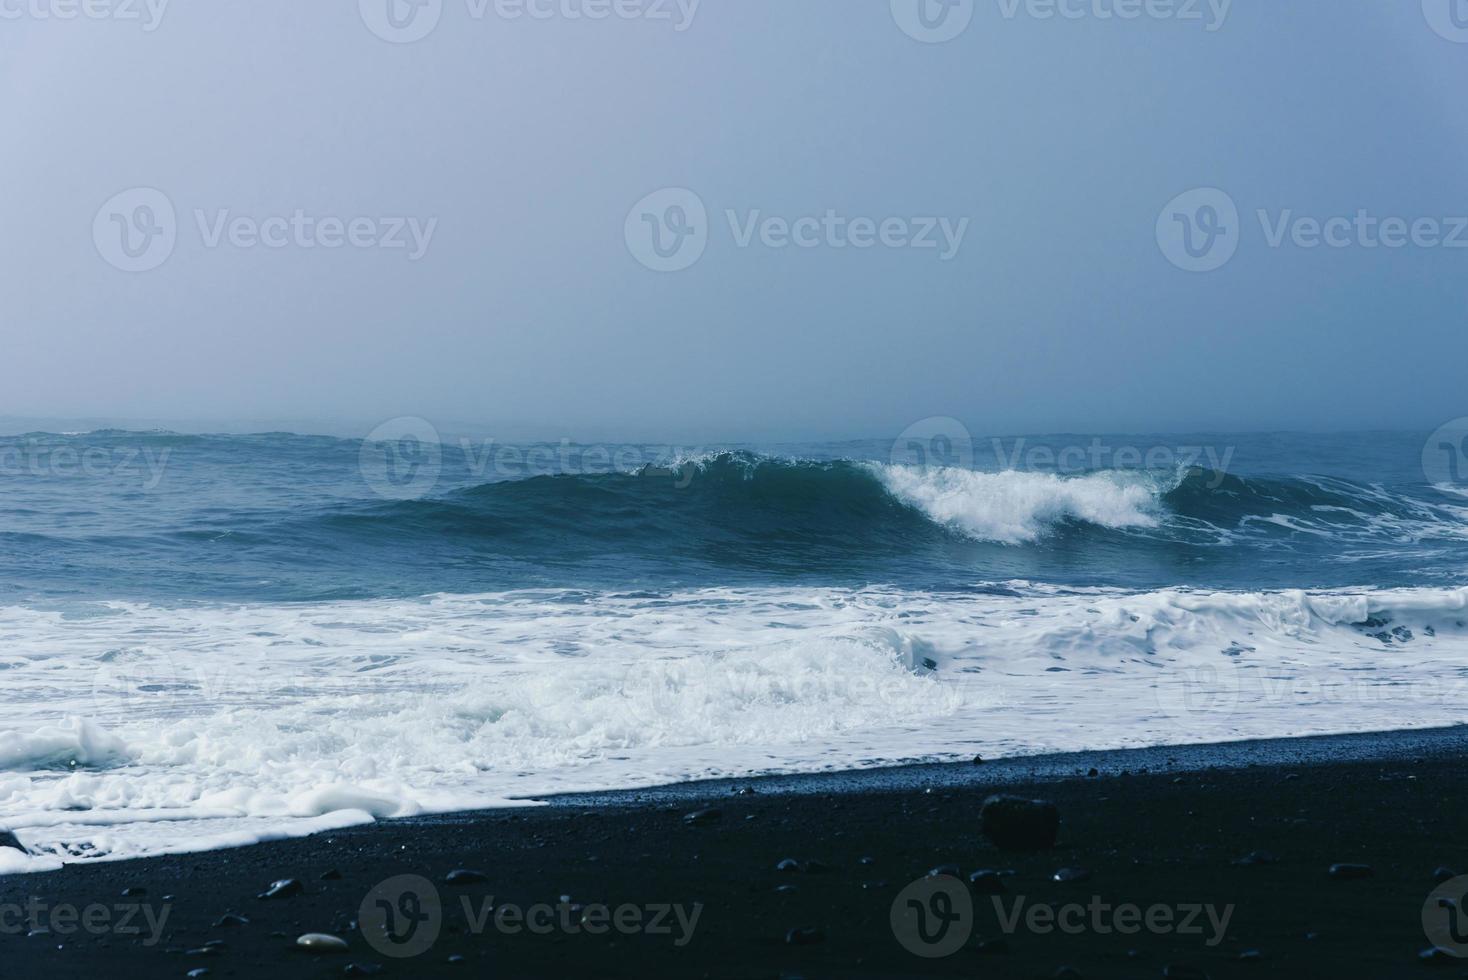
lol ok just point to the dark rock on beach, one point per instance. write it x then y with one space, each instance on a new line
1351 872
7 839
321 944
282 888
1436 956
465 876
810 867
1017 824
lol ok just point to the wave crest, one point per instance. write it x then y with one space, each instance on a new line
1015 507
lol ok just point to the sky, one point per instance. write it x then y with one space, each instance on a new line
737 219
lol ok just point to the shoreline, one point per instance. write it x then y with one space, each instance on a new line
699 862
1394 745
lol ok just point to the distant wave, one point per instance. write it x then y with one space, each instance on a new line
304 526
771 503
729 496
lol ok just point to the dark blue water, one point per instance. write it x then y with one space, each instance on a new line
280 517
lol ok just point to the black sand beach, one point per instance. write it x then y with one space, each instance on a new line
1161 840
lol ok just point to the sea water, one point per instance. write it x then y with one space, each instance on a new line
211 640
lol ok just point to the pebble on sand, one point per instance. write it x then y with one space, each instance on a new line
284 888
320 942
811 867
1256 857
1068 875
465 876
1016 824
1443 874
804 936
699 817
1351 872
229 921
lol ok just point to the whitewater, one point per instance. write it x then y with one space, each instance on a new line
774 613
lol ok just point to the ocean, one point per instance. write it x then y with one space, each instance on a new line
209 640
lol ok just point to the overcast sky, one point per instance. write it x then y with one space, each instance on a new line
998 236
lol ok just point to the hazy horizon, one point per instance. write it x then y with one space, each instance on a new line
529 433
998 227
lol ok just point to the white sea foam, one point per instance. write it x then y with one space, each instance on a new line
1015 507
135 729
75 742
